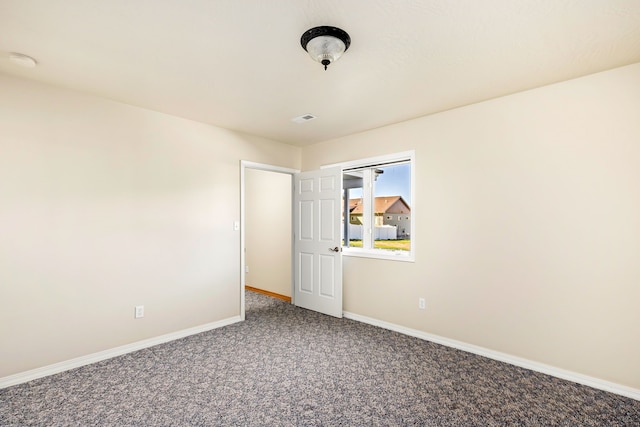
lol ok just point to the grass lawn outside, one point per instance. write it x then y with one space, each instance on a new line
395 245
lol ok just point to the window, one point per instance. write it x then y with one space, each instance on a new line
377 196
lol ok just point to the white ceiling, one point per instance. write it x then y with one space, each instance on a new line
238 64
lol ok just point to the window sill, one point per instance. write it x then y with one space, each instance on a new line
379 254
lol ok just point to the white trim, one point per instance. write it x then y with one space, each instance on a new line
503 357
405 256
372 160
244 164
266 167
378 254
56 368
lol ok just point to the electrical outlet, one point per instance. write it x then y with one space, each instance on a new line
422 303
139 311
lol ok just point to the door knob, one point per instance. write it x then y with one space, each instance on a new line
336 249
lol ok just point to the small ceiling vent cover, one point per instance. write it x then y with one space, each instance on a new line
303 118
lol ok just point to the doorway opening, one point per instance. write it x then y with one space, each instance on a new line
266 242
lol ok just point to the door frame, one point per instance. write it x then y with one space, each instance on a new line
245 164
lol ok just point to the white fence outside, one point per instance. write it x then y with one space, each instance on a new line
385 232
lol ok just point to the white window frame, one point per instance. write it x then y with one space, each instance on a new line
406 256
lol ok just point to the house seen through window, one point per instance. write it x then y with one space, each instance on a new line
377 201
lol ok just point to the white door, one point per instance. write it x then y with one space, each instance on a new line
317 241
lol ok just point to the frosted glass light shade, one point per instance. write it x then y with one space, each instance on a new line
325 44
325 48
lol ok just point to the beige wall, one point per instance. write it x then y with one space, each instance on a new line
527 237
527 225
105 206
268 230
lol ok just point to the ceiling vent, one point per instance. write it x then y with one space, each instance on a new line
303 118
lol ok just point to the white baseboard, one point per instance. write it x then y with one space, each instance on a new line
33 374
56 368
503 357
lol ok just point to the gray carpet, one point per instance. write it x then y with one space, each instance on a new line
287 366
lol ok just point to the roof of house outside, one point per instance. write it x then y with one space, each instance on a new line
382 205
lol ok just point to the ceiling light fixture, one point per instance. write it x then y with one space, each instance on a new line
325 44
22 60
